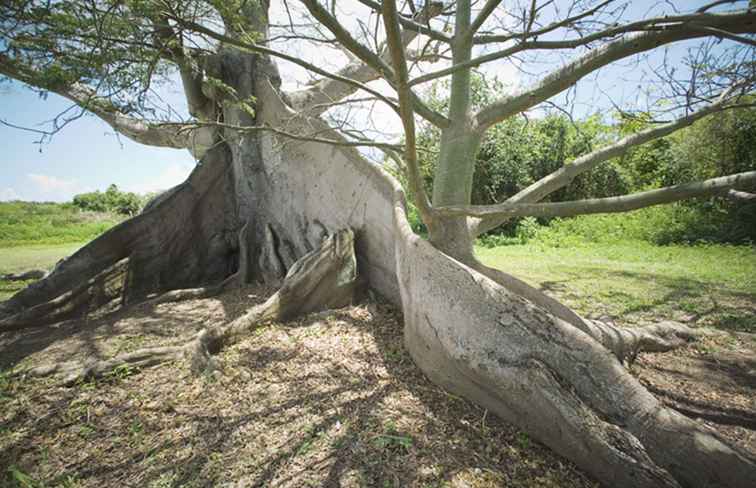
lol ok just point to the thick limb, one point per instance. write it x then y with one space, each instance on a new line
501 211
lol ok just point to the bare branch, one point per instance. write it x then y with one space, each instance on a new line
486 39
136 129
416 25
714 4
566 76
714 186
290 135
394 40
526 45
332 24
370 58
728 35
316 98
483 15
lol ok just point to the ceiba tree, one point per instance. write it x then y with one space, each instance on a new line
280 195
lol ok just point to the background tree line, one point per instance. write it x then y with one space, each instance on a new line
520 151
112 200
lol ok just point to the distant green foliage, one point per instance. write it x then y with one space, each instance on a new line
27 223
518 152
112 200
719 145
671 224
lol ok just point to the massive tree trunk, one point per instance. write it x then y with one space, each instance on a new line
258 202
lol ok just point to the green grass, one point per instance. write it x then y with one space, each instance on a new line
38 235
30 223
638 282
16 259
631 280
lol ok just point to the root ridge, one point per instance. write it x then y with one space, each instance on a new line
322 279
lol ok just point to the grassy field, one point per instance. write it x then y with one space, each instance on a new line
632 281
30 223
37 235
637 282
16 259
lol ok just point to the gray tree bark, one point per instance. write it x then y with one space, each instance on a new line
476 333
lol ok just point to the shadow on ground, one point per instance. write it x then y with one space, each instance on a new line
643 297
332 399
329 400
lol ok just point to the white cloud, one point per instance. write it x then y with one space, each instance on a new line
9 194
48 187
171 176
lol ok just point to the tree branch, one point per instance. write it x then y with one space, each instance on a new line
531 45
396 48
316 98
386 146
370 58
564 175
486 39
251 47
200 106
416 25
483 15
136 129
714 186
566 76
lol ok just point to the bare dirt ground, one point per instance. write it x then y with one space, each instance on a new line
332 399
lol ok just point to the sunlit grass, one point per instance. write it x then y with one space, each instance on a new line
637 282
18 259
31 223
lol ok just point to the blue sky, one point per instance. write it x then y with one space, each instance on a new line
87 155
84 156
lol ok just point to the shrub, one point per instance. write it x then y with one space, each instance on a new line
112 200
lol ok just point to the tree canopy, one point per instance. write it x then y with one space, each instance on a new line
282 196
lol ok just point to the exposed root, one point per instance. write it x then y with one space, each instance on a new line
627 343
82 299
692 452
74 371
556 409
322 279
484 341
722 415
185 238
33 274
187 294
624 343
